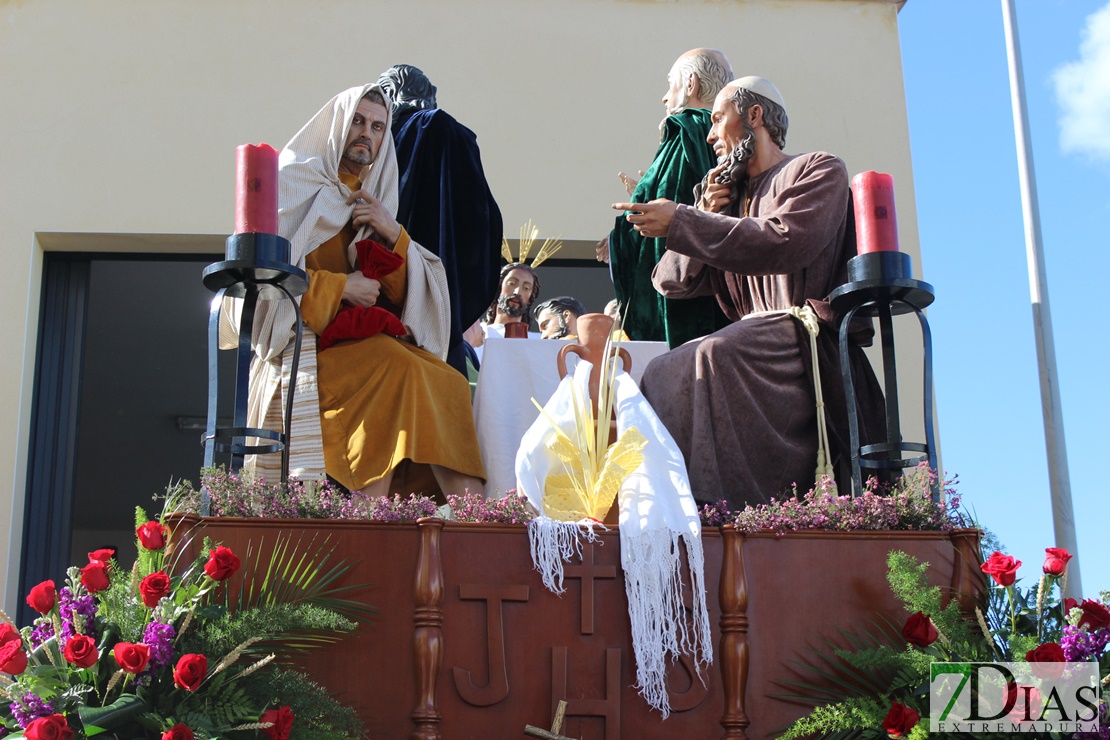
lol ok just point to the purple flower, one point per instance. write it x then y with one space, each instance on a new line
717 514
30 707
71 609
1103 725
512 508
1080 646
397 509
159 638
42 631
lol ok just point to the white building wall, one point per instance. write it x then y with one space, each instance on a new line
121 118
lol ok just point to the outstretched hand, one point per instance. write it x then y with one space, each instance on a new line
652 219
629 181
369 210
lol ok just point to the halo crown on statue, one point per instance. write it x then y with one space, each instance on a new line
528 234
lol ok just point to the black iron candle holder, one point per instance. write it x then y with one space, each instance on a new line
257 268
881 284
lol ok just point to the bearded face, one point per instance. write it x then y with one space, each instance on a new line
732 137
364 138
737 159
511 305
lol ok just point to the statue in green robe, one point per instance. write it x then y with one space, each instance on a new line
683 158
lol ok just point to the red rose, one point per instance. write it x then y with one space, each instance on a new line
42 597
154 587
1049 653
152 535
1002 568
1069 604
178 732
222 564
104 554
94 576
9 633
13 660
919 630
1056 561
1095 615
281 723
900 720
190 671
53 727
132 657
81 651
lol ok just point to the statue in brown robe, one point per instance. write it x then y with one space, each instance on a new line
770 232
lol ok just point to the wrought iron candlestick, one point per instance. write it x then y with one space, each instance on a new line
257 268
881 284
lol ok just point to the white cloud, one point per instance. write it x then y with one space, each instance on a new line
1083 92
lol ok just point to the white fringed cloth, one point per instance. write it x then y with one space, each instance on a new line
312 203
657 513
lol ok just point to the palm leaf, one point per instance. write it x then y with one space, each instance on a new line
101 719
295 573
831 677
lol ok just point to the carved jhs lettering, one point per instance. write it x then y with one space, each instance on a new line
498 686
608 707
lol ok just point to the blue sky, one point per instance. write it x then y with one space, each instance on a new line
973 250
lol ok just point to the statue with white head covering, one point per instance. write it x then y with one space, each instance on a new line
358 402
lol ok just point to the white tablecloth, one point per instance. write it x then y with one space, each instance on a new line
513 372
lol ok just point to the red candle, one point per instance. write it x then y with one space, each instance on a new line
876 224
256 186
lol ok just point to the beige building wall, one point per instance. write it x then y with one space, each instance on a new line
119 120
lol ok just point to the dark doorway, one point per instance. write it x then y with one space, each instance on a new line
120 389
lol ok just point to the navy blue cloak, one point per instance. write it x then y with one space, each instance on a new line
446 206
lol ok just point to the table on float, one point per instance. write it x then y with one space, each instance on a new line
513 372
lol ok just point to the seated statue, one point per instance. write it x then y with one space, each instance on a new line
770 239
519 289
445 203
376 412
558 317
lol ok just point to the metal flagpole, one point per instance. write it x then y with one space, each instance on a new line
1063 519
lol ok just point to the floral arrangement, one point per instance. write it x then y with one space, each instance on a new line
243 495
512 508
906 505
157 652
882 689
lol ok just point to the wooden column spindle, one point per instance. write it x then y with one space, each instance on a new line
734 633
428 635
